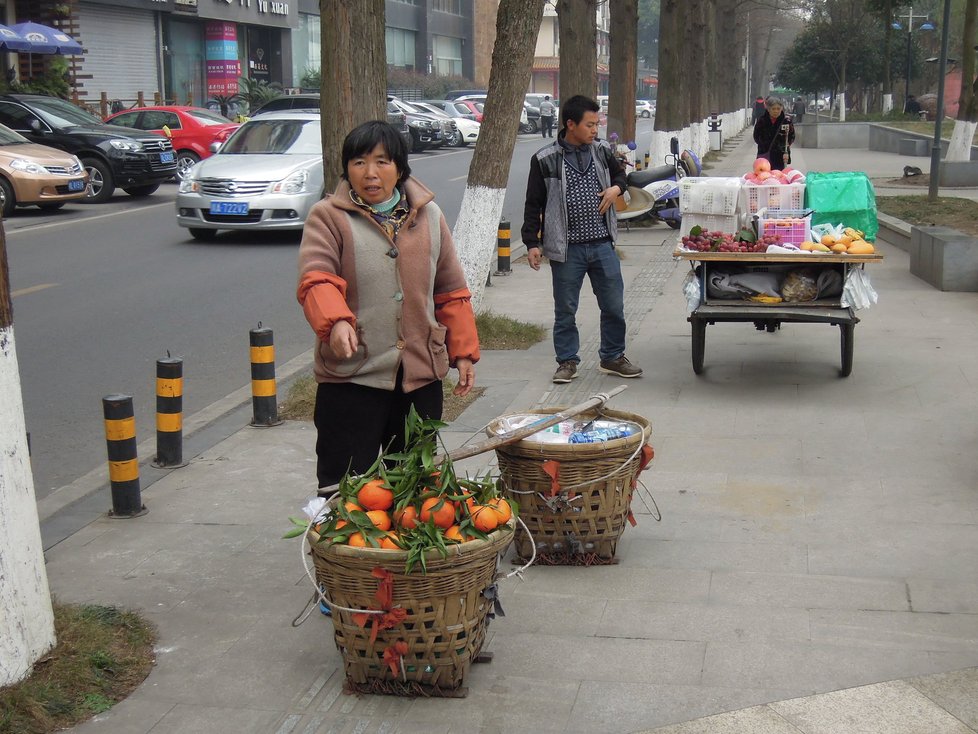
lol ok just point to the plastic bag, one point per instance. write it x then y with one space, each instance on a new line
858 292
843 196
800 285
693 291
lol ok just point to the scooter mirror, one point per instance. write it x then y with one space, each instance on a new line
674 146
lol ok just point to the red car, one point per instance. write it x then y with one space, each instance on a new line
475 107
192 129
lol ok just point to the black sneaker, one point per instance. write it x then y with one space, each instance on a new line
566 372
621 367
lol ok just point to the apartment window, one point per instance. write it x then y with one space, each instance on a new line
447 6
408 2
448 55
306 56
401 45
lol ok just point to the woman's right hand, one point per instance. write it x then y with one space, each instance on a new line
343 340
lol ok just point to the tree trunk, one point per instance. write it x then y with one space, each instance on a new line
354 74
887 48
670 107
959 147
25 600
578 47
623 70
517 25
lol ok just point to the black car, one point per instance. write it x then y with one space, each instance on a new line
137 161
310 101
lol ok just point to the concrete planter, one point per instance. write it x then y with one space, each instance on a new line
945 258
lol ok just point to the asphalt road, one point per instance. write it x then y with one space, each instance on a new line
101 292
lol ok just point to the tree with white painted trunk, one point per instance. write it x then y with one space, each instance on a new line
959 147
26 615
517 25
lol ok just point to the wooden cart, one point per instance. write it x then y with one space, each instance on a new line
770 315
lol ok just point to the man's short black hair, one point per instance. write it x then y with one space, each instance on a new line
364 138
574 109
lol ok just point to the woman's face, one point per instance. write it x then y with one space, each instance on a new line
775 110
373 175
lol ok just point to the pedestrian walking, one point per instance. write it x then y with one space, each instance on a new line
547 117
570 215
758 109
798 110
382 287
774 134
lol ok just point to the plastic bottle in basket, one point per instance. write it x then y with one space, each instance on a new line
600 434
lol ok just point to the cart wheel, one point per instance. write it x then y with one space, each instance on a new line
699 344
848 331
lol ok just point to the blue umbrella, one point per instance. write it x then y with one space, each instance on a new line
46 40
12 40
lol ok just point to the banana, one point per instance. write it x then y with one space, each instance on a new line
856 234
765 299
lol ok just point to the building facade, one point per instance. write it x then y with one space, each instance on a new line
545 76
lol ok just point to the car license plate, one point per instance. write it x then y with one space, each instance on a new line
78 185
166 157
229 207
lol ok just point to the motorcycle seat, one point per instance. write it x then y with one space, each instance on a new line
649 175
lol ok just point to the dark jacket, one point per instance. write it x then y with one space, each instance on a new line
545 210
759 109
770 142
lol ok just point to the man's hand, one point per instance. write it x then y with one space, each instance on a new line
466 376
343 340
608 197
533 257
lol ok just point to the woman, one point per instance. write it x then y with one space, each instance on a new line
382 287
774 133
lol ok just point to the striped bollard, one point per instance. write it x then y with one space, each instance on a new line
638 163
648 156
503 249
120 440
263 398
169 412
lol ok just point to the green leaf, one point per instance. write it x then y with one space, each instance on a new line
294 533
696 231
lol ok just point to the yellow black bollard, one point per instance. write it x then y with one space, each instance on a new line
120 439
169 412
263 398
638 163
503 248
647 158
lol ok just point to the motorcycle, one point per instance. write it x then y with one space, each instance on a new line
661 185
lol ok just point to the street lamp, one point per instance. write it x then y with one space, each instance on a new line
925 26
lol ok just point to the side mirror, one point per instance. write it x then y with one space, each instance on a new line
215 147
35 125
674 146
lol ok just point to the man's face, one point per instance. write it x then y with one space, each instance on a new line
583 132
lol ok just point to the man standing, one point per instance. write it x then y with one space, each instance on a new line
546 117
798 110
570 213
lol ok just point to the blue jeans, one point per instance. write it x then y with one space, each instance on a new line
600 263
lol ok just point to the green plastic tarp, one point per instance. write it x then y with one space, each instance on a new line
842 197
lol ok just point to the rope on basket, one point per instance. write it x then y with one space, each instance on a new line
657 513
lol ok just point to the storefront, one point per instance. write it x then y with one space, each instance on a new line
210 44
120 35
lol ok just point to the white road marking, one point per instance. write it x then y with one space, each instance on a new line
85 220
32 289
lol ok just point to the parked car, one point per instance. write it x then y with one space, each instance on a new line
453 109
266 176
536 100
525 126
37 175
427 130
644 108
474 107
135 160
310 101
192 130
456 93
466 130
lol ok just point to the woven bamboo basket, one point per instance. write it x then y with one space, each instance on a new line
446 612
586 519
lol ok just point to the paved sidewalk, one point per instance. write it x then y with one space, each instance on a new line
813 571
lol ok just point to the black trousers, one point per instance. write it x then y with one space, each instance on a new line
354 423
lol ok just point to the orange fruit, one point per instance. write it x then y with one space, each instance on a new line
845 239
440 510
828 240
374 495
485 518
340 524
357 540
406 517
839 247
380 519
503 508
352 507
389 541
454 533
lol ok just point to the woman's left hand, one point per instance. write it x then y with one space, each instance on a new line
466 376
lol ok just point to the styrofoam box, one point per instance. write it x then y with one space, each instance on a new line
772 196
728 223
707 195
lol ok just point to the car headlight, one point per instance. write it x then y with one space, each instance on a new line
189 186
292 184
122 144
22 164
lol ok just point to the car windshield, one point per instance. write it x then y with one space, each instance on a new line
206 117
431 110
9 137
58 113
410 107
281 137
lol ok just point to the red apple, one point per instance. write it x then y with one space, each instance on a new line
763 176
762 164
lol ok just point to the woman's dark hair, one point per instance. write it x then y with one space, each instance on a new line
575 107
364 138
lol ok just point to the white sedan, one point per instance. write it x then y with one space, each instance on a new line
466 130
